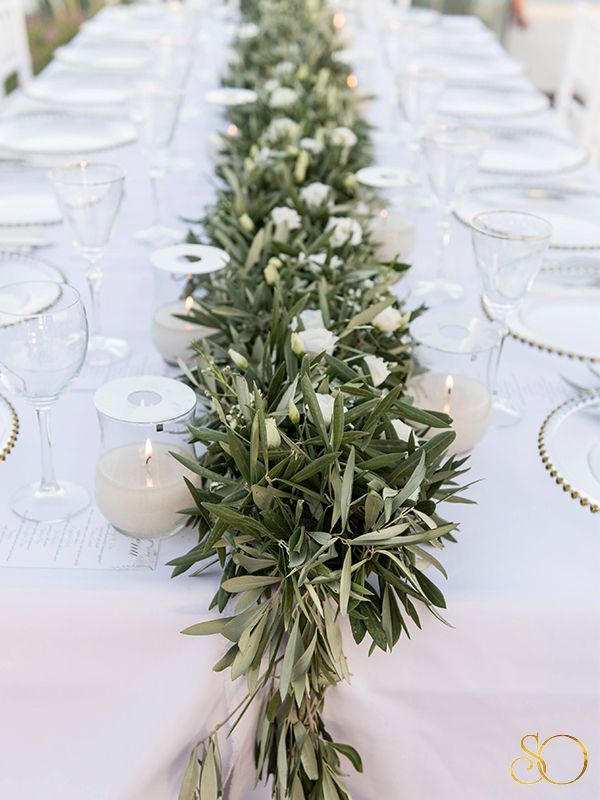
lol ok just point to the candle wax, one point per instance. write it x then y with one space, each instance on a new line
172 337
469 403
393 235
141 496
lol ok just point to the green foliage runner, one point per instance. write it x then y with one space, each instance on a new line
319 487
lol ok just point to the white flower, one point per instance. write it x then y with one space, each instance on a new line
273 436
271 85
312 318
326 402
282 129
285 68
343 137
313 146
344 229
283 97
264 156
315 194
282 215
317 340
271 274
402 429
388 320
297 346
378 368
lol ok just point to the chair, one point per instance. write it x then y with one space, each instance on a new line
578 97
15 59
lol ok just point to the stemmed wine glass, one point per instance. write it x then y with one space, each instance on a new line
419 91
43 342
155 111
509 252
453 154
89 196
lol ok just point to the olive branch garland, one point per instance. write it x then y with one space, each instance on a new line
319 486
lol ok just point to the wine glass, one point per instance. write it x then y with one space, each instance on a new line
509 251
89 196
453 154
155 111
43 342
419 91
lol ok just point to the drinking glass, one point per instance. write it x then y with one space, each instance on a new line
43 341
509 250
155 111
89 196
419 91
453 154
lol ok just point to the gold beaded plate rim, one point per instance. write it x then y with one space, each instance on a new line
554 417
546 348
7 444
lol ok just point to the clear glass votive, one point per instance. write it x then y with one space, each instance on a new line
458 353
140 487
177 273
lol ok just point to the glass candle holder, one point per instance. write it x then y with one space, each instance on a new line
458 352
177 273
392 225
140 487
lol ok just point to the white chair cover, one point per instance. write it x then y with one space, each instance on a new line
14 46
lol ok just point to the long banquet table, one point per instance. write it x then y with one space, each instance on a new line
102 698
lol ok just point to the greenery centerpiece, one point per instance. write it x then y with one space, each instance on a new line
320 481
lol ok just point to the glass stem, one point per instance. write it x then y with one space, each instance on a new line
48 482
443 241
94 280
495 365
156 175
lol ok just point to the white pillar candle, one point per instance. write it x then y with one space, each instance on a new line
140 489
393 235
467 401
172 336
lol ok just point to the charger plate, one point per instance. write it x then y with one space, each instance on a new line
499 101
63 134
9 427
26 197
530 151
569 446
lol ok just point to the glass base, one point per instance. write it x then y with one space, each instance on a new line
504 413
106 350
150 538
159 236
437 291
38 505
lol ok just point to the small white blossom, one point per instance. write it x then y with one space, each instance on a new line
326 403
312 318
388 320
317 340
315 194
273 435
271 85
344 229
282 129
285 68
343 137
282 215
378 368
313 146
402 429
264 156
282 97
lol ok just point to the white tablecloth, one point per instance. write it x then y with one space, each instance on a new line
102 698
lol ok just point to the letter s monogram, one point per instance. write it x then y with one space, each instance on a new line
533 757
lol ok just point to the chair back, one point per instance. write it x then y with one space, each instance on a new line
15 59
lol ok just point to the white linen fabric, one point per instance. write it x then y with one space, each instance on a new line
102 698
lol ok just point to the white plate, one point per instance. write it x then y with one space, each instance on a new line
26 197
384 178
15 268
77 89
230 96
530 151
497 101
30 299
51 133
571 209
9 426
104 56
467 68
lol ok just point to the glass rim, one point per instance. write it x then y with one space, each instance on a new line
20 315
59 174
532 237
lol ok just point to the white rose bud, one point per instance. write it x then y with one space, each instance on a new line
273 435
301 166
238 359
293 413
326 402
388 320
246 223
276 262
283 97
297 346
271 274
378 368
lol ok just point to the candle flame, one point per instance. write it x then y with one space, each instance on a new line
189 302
384 213
448 386
339 20
352 81
232 130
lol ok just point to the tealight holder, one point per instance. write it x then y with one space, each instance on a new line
178 272
390 195
140 487
459 353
